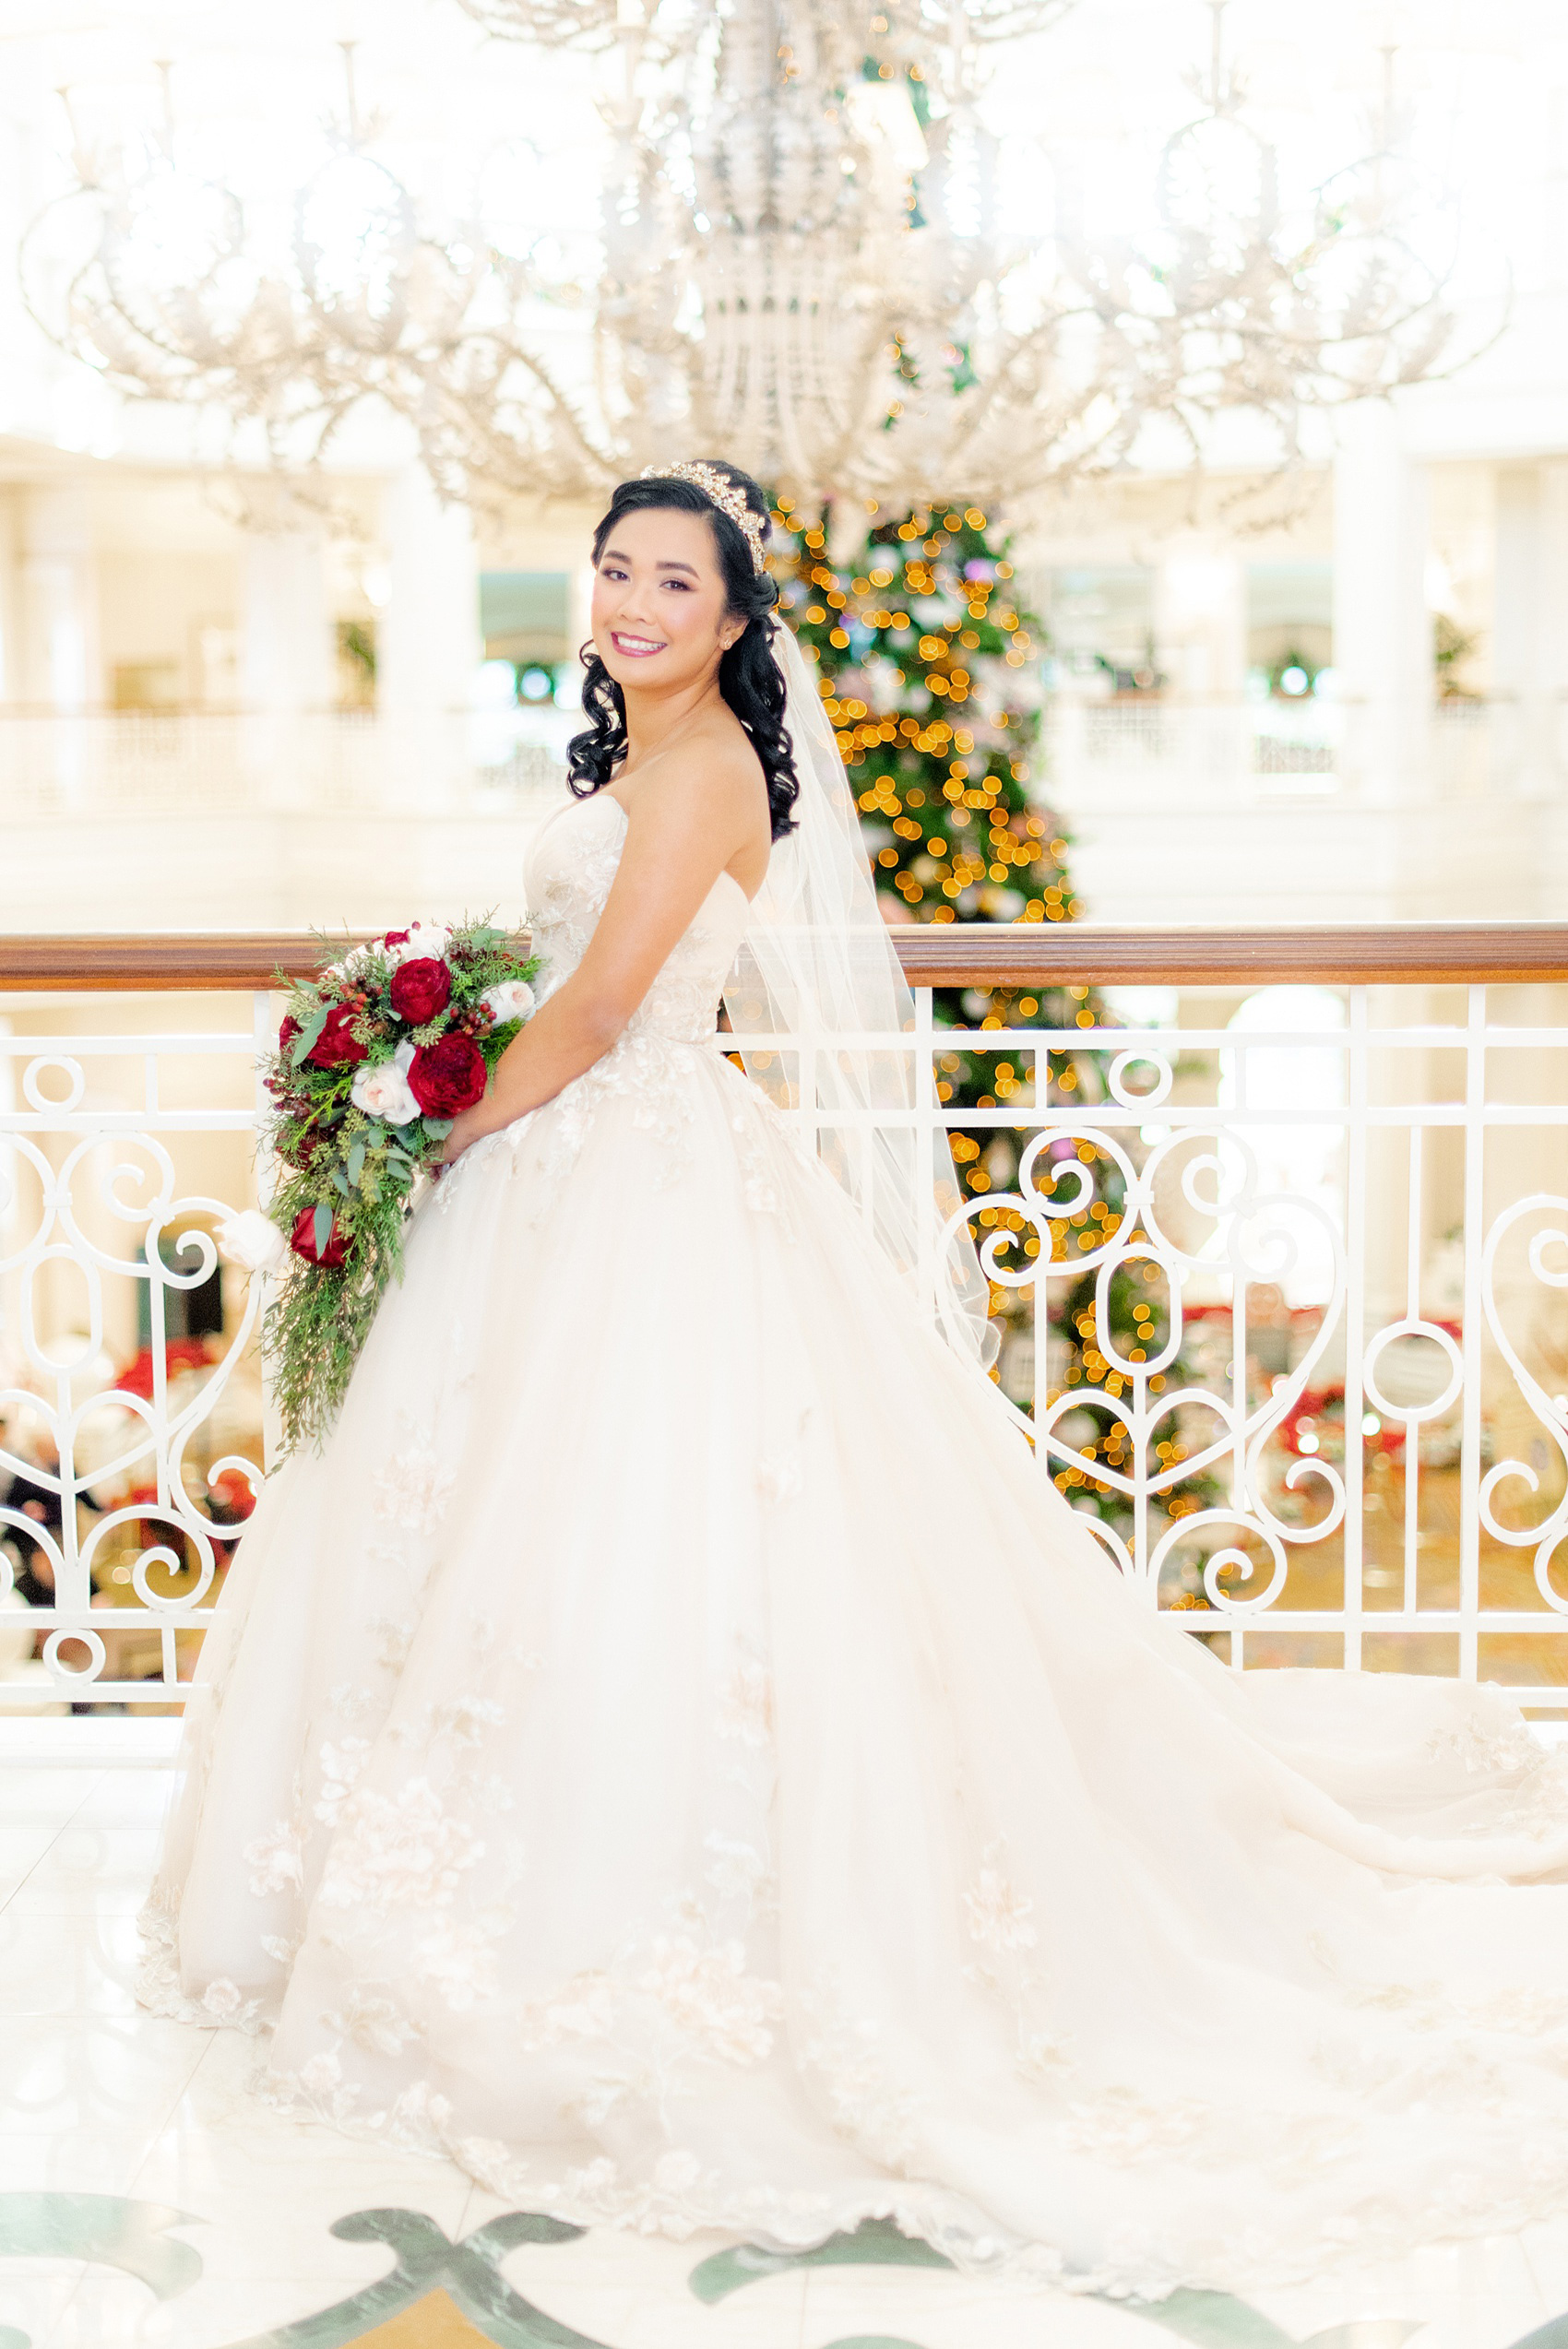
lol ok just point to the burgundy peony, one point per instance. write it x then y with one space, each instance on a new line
288 1032
302 1239
396 938
447 1076
421 989
337 1046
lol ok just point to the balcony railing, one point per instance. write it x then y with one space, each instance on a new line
1235 750
1278 1245
86 764
56 764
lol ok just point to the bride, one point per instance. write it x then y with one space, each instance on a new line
674 1752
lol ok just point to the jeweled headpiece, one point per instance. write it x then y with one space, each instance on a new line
723 493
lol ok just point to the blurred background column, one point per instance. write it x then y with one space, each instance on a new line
59 664
429 647
1529 650
59 668
286 664
11 680
1201 621
1382 631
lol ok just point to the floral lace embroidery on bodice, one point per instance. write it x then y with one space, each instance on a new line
570 871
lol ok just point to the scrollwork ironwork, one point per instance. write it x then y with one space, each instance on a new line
128 1457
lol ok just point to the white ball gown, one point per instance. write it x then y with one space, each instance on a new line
675 1752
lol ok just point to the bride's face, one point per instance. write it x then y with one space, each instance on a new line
659 614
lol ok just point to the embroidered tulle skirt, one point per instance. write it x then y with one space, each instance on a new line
674 1752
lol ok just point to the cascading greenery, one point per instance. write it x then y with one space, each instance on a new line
376 1056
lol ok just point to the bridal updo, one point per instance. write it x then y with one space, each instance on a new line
749 676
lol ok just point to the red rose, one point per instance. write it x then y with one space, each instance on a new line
288 1032
421 989
337 1046
396 938
302 1239
447 1076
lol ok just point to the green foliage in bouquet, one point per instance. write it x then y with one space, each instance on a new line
376 1056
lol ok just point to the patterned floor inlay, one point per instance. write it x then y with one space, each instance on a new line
460 2284
442 2294
215 2225
875 2243
107 2229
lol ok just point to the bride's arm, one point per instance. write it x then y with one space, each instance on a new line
681 833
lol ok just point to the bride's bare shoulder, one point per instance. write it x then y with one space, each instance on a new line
714 773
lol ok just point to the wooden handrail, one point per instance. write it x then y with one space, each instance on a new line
941 954
1326 954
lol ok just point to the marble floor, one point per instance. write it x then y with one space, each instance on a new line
144 2198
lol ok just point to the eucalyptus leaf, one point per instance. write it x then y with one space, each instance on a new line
322 1229
437 1129
356 1158
305 1041
341 1179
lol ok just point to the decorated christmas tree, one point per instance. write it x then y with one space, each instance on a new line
927 672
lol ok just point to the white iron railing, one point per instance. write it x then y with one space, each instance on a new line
1238 750
59 766
1336 1219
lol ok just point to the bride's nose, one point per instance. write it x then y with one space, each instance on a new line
637 600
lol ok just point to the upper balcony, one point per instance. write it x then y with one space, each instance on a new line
1219 808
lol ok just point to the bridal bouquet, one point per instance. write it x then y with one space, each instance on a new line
375 1058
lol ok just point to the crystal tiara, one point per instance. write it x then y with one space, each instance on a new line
723 494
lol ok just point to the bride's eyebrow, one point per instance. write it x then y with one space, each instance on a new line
615 555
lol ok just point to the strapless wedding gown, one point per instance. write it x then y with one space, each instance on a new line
675 1753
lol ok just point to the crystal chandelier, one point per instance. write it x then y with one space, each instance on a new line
798 264
804 268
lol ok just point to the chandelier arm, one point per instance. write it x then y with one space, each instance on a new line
605 460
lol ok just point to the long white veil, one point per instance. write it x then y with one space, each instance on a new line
818 973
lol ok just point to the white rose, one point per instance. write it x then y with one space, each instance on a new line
383 1091
512 999
253 1241
424 938
353 963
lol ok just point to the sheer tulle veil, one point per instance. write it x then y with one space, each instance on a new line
817 984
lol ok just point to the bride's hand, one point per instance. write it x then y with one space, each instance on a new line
466 1129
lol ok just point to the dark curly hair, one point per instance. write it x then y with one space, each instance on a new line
749 676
